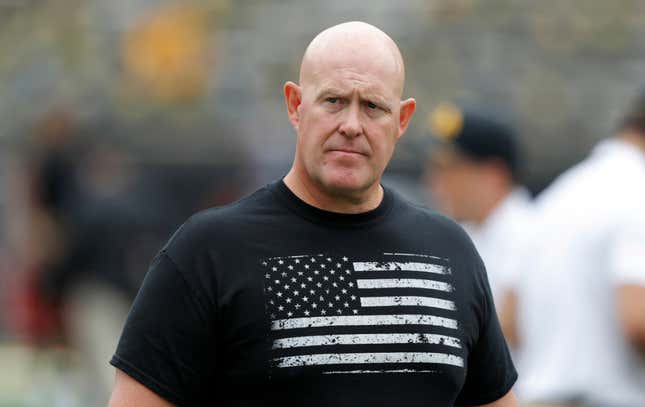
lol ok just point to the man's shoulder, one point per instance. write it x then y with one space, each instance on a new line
423 217
219 224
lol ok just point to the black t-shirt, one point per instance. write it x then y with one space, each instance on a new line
270 301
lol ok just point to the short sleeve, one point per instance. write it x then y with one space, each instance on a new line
490 371
627 249
167 341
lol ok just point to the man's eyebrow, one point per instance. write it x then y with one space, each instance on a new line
331 91
365 97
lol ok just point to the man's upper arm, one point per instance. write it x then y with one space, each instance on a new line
509 400
130 393
631 309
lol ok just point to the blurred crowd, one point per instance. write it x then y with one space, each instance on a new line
82 214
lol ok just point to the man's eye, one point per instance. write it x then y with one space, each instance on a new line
332 100
372 105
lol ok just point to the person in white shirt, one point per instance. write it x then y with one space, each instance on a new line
581 304
472 177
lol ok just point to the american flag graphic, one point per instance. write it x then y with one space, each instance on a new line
343 315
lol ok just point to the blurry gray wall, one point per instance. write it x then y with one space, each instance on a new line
560 70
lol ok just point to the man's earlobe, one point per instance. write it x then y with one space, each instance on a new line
293 98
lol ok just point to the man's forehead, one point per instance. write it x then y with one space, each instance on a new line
358 47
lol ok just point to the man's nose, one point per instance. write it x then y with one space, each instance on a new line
351 125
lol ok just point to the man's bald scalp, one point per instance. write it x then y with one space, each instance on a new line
354 35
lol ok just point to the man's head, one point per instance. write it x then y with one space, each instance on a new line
347 111
474 165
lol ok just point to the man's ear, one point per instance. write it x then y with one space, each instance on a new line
407 110
293 97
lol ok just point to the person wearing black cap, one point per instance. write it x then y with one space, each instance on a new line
472 177
581 304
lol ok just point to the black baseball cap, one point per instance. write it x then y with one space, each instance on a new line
478 136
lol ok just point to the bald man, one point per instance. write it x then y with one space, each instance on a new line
323 288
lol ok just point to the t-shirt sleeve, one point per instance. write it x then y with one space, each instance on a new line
490 371
167 343
627 248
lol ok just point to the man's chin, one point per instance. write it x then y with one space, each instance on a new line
347 184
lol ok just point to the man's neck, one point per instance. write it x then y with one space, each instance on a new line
633 138
316 196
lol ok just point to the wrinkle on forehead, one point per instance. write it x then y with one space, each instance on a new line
355 45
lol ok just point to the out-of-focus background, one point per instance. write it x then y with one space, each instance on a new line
120 118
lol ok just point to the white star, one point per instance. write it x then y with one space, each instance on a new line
271 302
344 291
305 299
327 291
289 313
313 260
297 261
296 293
353 297
283 274
350 284
307 313
314 305
288 300
346 305
297 306
325 278
269 289
316 272
290 267
331 305
280 262
331 271
337 298
318 285
322 311
338 265
286 286
272 316
264 263
303 285
277 281
310 279
280 308
267 275
321 298
274 268
334 284
322 266
344 258
293 279
306 266
355 311
328 259
341 278
348 272
338 311
279 294
300 273
312 292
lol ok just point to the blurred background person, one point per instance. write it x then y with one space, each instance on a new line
472 176
581 300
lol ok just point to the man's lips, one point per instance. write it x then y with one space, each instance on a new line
346 151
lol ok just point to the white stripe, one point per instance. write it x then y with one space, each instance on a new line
404 266
415 255
365 339
405 283
357 358
378 371
313 322
407 300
